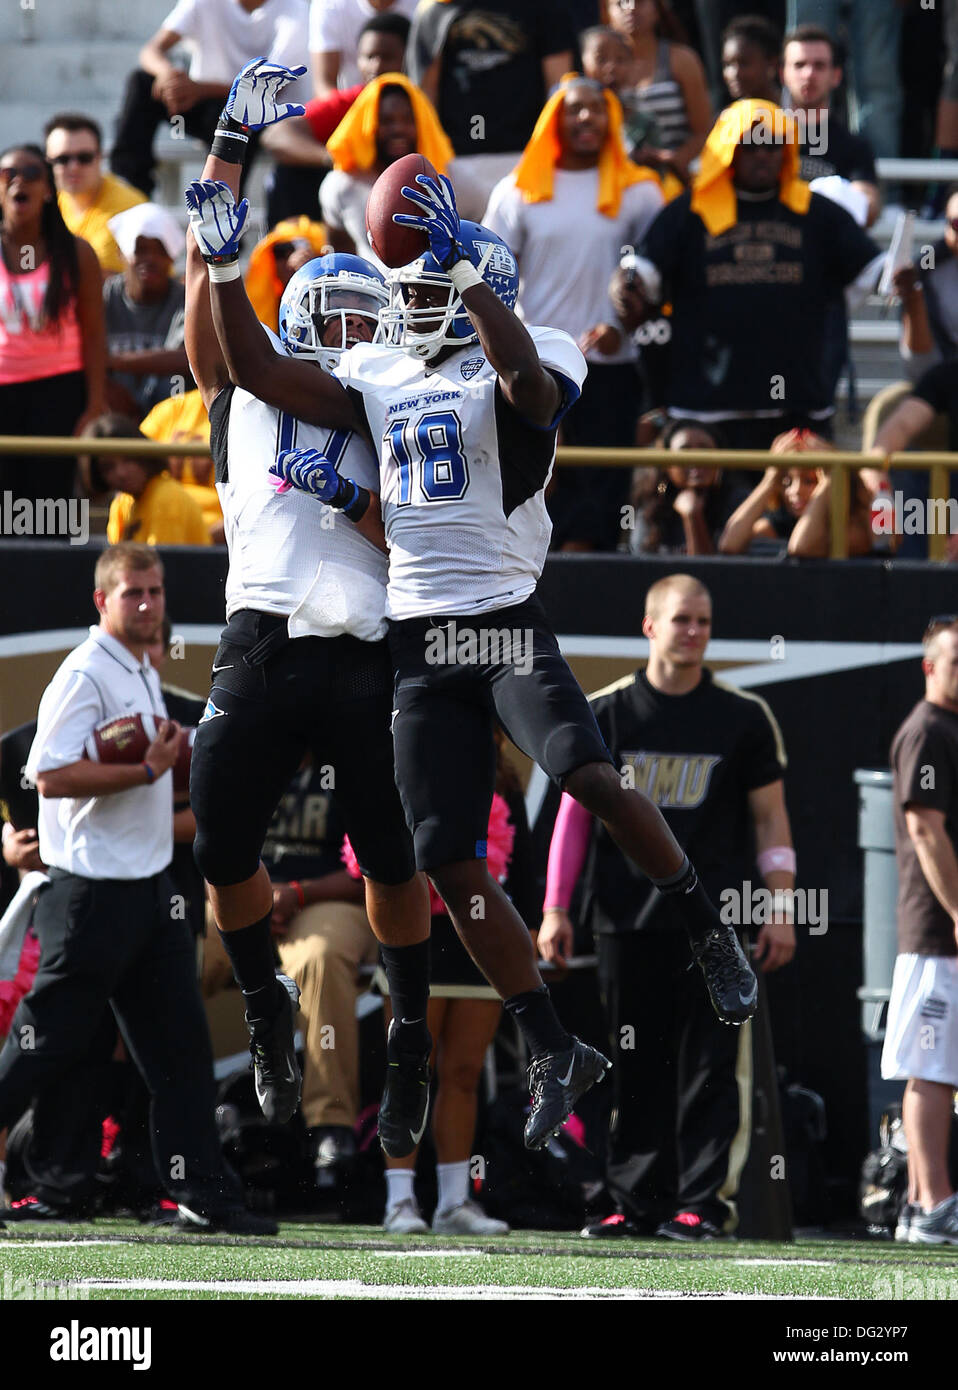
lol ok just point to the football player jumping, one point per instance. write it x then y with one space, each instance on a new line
303 664
461 404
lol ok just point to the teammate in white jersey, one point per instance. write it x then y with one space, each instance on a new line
464 418
302 665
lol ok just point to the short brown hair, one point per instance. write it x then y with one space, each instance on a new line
814 33
73 121
685 583
116 560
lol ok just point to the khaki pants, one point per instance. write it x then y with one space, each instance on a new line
322 951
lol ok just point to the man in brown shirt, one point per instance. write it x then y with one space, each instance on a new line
921 1039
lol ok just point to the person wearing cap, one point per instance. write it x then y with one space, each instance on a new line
144 309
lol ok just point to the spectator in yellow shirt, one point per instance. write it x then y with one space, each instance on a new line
184 418
87 196
150 506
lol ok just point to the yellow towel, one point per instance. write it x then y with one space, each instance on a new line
352 144
713 193
263 285
534 172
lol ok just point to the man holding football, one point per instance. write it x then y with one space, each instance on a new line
461 405
108 925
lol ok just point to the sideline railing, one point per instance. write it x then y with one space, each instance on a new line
840 464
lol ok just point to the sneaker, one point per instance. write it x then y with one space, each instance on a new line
404 1219
731 981
903 1225
556 1081
688 1226
936 1227
334 1153
402 1113
275 1069
468 1219
164 1213
235 1221
614 1227
35 1209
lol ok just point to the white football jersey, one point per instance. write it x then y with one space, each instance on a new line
462 476
289 554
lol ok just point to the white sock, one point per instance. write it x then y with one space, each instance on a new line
399 1186
453 1183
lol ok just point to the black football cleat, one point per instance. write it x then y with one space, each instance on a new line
402 1112
275 1070
688 1227
730 979
36 1209
556 1081
233 1221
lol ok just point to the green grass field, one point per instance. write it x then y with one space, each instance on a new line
113 1259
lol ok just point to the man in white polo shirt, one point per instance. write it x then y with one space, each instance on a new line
108 925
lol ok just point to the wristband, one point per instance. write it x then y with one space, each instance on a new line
150 775
780 857
356 509
221 271
297 888
464 275
230 140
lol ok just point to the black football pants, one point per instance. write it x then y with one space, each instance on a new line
120 942
679 1135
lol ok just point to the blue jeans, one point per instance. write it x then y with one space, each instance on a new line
874 30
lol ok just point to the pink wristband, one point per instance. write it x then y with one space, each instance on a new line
781 857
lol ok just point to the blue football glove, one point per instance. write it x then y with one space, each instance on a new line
216 220
440 219
308 470
252 101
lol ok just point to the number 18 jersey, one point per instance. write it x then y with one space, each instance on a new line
462 475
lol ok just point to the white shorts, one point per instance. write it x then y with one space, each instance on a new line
921 1038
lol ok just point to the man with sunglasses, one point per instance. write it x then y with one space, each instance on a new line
921 1036
87 196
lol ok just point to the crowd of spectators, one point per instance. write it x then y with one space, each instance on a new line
652 214
649 164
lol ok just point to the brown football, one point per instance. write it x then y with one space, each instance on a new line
396 245
126 738
121 740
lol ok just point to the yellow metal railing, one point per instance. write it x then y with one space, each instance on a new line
840 464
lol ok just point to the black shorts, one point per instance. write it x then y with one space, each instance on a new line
271 702
455 676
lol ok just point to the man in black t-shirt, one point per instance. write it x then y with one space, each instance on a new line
712 758
921 1036
488 66
810 74
750 260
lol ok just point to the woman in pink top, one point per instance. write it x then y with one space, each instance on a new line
52 339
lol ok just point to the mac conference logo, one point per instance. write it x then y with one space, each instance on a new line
471 367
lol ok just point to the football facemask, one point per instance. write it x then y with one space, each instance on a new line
330 289
424 329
